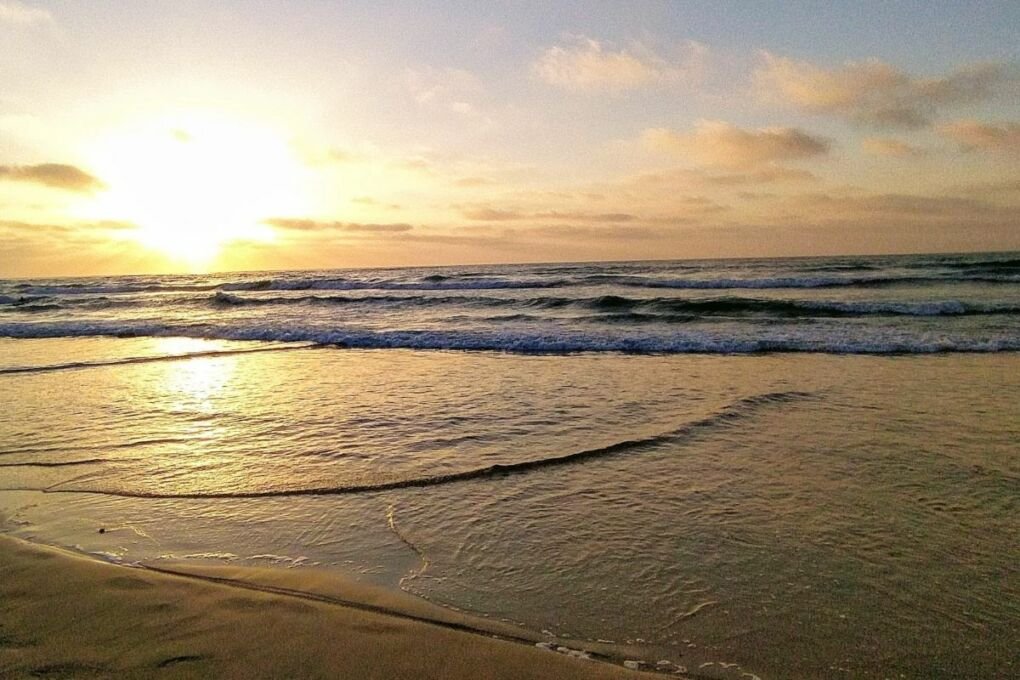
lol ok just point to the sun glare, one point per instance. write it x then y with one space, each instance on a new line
193 183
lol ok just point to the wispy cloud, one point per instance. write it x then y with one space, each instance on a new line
488 214
722 144
62 229
448 89
473 181
873 92
307 225
14 12
976 135
55 175
585 64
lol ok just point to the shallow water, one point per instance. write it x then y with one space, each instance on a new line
792 514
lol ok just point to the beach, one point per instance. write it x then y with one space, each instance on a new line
66 616
510 340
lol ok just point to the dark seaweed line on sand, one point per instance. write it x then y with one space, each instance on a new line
740 408
146 360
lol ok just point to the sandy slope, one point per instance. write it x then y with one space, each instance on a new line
66 616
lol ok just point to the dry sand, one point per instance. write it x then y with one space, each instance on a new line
63 615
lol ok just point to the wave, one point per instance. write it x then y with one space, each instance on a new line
985 265
54 464
990 274
739 409
814 308
434 282
665 306
112 289
34 307
229 300
781 282
145 360
555 340
65 448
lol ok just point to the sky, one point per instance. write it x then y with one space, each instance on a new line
202 136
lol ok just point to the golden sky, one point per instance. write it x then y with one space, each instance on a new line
208 136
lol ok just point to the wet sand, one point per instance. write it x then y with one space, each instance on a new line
63 615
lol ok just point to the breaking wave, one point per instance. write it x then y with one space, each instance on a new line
536 341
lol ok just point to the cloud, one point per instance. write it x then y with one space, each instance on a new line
430 85
767 175
573 232
368 200
584 64
55 175
18 13
62 231
723 144
416 164
448 89
975 135
884 146
486 214
306 225
473 181
872 92
892 210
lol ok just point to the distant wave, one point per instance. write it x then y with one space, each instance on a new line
779 282
30 303
662 309
616 303
110 289
231 300
833 276
741 408
989 265
777 307
536 341
427 283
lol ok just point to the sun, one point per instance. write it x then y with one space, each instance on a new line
195 182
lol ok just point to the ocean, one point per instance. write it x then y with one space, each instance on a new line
781 468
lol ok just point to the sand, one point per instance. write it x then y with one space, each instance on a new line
63 615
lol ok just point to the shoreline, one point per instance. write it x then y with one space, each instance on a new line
64 614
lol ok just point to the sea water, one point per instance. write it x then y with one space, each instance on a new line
785 468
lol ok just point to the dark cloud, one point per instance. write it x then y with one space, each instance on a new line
976 135
55 175
883 146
